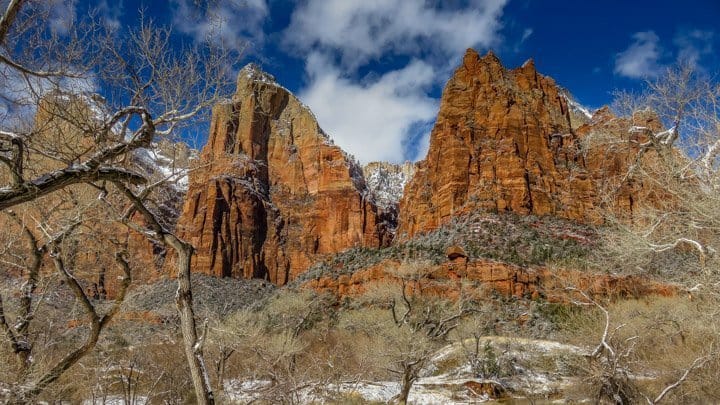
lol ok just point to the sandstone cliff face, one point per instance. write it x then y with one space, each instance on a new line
270 191
65 126
503 141
491 276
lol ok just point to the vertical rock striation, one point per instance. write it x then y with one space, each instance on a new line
503 141
270 192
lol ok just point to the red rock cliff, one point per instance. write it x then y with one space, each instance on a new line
503 141
271 192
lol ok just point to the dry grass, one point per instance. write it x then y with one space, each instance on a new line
662 337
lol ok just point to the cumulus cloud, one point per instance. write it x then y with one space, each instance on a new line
373 119
360 31
238 24
641 58
386 117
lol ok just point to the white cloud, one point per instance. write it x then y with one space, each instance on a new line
361 31
693 45
371 120
386 117
526 34
111 13
640 59
237 23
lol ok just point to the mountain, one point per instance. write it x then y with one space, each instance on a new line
270 192
504 141
385 183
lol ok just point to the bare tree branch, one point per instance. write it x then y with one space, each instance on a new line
699 362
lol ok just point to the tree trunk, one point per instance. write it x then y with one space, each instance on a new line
183 298
97 324
193 344
408 379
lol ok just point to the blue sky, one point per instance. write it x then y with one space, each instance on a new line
373 70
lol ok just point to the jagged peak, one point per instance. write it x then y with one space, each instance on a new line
254 73
474 63
491 58
603 113
529 64
471 54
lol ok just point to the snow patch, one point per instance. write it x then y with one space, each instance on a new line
386 182
157 162
578 108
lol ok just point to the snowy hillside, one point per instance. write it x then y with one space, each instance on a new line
579 114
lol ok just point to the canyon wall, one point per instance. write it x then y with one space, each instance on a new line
505 140
270 192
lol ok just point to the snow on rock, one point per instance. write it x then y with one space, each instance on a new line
579 108
579 114
386 181
168 161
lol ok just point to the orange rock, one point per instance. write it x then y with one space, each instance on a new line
271 193
505 279
455 252
503 141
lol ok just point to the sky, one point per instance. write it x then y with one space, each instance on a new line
372 71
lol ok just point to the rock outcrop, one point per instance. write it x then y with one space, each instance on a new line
270 192
504 140
385 183
490 276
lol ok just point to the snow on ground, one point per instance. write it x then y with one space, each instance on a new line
453 386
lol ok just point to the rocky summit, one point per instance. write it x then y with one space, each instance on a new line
270 194
270 191
504 141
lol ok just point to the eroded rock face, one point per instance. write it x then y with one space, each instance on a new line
503 141
385 183
503 278
270 192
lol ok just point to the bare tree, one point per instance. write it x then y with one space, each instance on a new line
413 325
674 128
677 163
610 370
154 88
33 376
272 352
